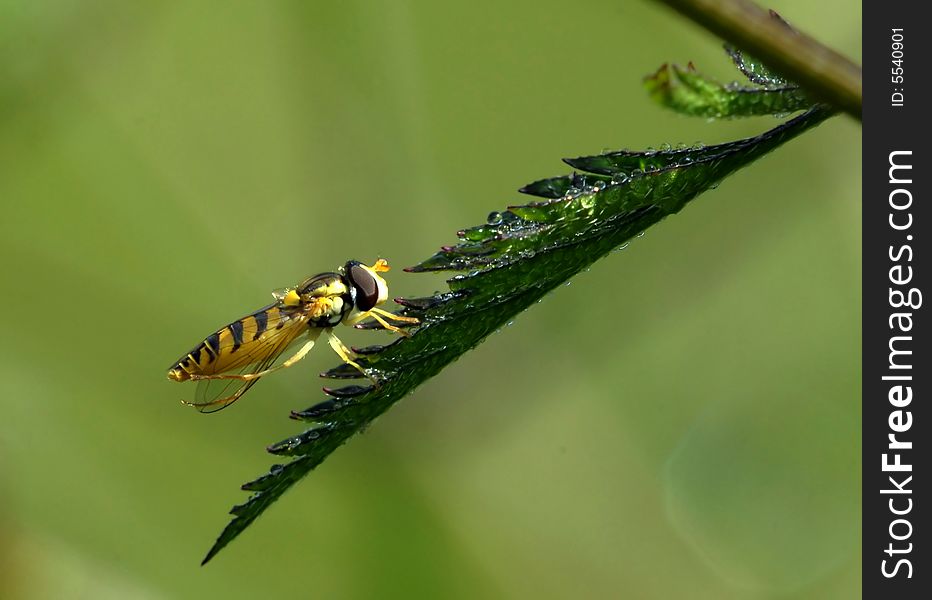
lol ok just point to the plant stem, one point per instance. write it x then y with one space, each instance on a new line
821 71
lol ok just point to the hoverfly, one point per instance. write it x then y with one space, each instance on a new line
234 358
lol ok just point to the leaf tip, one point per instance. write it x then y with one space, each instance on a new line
212 552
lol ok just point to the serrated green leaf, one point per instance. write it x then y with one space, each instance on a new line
686 91
503 267
757 72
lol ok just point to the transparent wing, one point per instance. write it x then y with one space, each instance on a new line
241 349
212 395
247 340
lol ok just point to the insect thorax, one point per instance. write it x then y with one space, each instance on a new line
326 299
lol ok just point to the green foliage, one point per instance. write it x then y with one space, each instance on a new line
689 92
505 265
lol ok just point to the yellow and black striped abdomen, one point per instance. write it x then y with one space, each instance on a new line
243 342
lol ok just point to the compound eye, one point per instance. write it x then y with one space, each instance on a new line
367 286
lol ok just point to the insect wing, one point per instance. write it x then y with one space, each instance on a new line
245 347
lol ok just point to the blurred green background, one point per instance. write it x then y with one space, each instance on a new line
681 422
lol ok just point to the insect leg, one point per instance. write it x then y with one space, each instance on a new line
393 316
385 323
389 326
346 354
